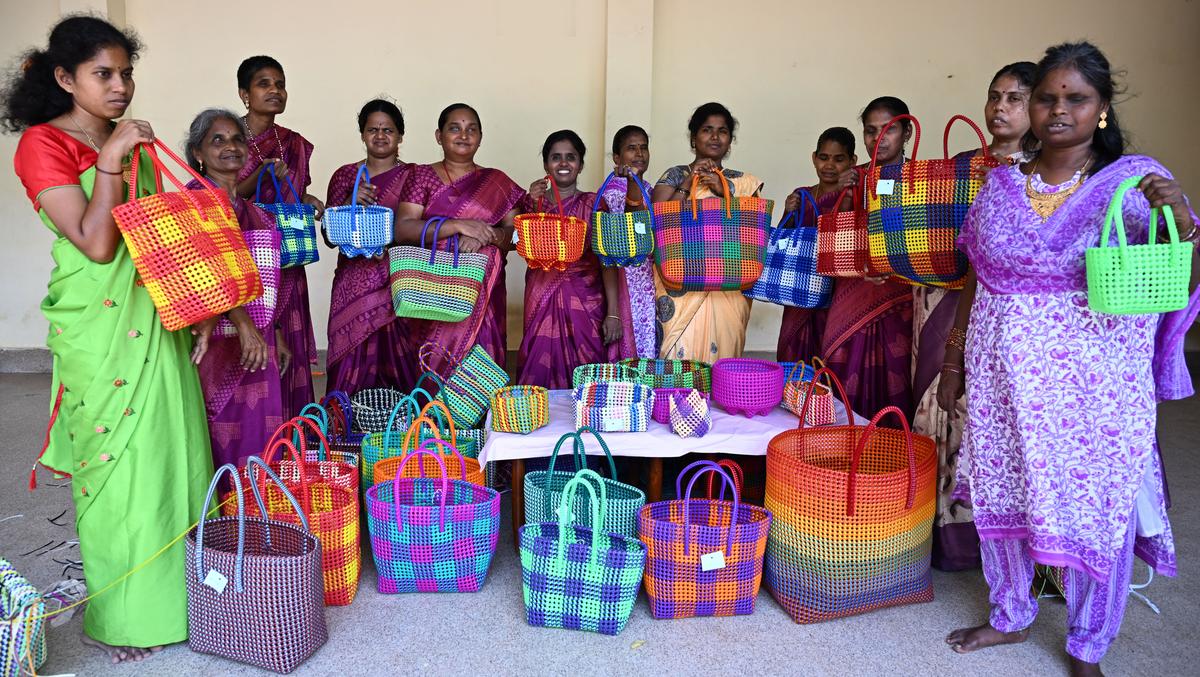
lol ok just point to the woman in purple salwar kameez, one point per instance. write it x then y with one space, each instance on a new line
263 90
1059 448
367 345
239 374
571 316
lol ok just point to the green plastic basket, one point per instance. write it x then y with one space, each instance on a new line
602 372
1137 279
673 373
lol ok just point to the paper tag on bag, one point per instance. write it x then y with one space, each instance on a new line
216 580
516 236
639 227
713 560
885 186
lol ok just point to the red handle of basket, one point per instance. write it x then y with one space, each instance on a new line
987 152
728 199
837 382
337 418
852 482
912 178
396 487
683 473
305 502
733 516
218 197
557 196
323 451
734 469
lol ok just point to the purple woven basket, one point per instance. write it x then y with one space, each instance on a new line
662 402
747 387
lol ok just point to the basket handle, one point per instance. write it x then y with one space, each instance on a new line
612 464
792 372
296 426
852 481
391 422
438 494
432 445
441 408
412 438
432 376
686 470
728 199
612 175
583 478
735 470
1116 215
798 214
812 386
580 461
359 176
425 229
254 462
557 197
687 502
341 411
427 351
232 470
218 197
916 144
987 152
301 468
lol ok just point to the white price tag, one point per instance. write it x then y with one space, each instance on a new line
639 227
216 580
615 424
713 560
516 236
885 186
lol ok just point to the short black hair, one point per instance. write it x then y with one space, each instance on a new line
250 67
891 105
706 111
563 135
1025 73
623 135
839 135
445 114
381 106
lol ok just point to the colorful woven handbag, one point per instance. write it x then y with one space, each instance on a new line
435 284
243 569
713 244
624 238
602 372
389 443
373 409
520 409
843 248
689 414
264 250
295 221
321 464
549 241
469 441
746 386
468 390
544 491
797 371
187 246
811 399
672 373
1137 279
432 534
616 406
853 522
577 577
915 210
703 557
789 276
22 628
662 402
359 230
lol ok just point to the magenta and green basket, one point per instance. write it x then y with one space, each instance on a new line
746 386
603 372
672 373
432 534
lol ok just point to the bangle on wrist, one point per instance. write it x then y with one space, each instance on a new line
957 339
105 171
613 317
952 368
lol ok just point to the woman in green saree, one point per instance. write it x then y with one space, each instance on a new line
127 414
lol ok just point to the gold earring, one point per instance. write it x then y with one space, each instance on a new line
1103 120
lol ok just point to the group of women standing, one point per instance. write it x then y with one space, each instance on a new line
1039 369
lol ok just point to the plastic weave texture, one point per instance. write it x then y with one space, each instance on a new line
520 409
1136 279
602 372
432 534
747 386
467 391
544 492
662 402
273 571
789 276
625 238
616 406
264 250
672 373
187 247
456 465
843 249
679 533
435 284
797 391
853 522
378 447
359 230
792 373
689 414
549 241
373 407
295 221
577 577
22 632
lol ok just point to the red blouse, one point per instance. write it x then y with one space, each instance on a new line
47 157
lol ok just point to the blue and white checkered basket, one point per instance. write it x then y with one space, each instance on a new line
789 276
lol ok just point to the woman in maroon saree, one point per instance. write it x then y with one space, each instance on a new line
479 204
367 345
239 374
572 317
263 90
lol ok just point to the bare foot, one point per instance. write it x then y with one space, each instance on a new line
966 640
122 654
1081 668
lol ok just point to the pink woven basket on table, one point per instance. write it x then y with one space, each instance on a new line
662 403
748 387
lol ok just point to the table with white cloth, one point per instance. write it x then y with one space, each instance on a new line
729 434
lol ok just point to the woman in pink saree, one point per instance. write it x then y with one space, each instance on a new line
479 204
367 346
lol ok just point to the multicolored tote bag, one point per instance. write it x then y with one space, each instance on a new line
544 491
243 569
456 464
435 284
549 241
915 210
390 442
810 399
843 248
713 244
432 534
1137 279
22 628
520 409
672 373
579 577
746 386
853 522
264 250
187 246
789 276
689 414
623 238
359 230
296 222
703 557
468 390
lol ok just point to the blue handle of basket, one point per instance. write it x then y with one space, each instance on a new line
415 391
318 413
358 178
612 175
583 478
422 451
425 228
684 472
798 214
1116 215
279 196
343 402
416 411
241 514
733 516
432 376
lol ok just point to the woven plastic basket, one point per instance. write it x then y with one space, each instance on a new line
467 390
520 409
748 387
359 230
673 373
458 466
264 250
386 444
1138 279
622 238
794 373
549 241
617 406
295 221
22 629
432 283
811 399
689 414
603 372
662 402
373 409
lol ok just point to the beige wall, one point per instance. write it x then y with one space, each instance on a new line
787 70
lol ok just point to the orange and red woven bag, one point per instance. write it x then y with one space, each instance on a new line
550 241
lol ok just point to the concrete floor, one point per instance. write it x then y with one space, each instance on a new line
486 631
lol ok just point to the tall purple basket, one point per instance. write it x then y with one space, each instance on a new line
748 387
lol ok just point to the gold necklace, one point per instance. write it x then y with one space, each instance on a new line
254 146
83 131
1045 204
